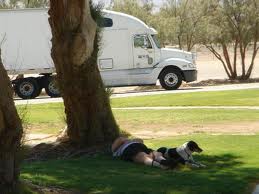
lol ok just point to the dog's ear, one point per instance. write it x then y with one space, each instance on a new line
193 146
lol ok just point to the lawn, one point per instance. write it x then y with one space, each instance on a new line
232 167
49 118
54 113
223 98
232 160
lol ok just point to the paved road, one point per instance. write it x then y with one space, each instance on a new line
129 92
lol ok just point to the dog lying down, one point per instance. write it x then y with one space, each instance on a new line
183 154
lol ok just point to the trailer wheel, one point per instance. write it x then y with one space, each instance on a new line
51 88
170 79
27 88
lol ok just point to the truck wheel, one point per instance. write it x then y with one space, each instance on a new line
51 88
171 79
27 88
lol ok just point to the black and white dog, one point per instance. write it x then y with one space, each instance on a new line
183 154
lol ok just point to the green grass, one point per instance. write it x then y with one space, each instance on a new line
53 113
232 166
49 118
43 118
46 113
222 98
42 113
185 116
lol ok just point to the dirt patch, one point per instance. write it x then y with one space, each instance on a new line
37 138
240 128
49 128
209 82
63 149
153 130
216 82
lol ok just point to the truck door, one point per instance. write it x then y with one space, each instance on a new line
144 52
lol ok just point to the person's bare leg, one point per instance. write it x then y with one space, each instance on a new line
157 156
164 162
146 159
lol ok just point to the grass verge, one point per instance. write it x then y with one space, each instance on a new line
49 118
223 98
232 166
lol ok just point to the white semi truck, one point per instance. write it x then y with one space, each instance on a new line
130 53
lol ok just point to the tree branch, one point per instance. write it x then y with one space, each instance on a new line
255 50
218 56
226 55
235 57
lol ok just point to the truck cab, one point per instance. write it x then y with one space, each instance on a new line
131 55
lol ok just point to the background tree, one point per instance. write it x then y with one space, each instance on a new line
234 25
35 3
184 22
10 136
145 11
178 22
141 9
5 4
74 51
18 4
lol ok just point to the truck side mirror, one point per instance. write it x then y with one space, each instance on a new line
144 46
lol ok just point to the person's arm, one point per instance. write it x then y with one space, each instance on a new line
118 142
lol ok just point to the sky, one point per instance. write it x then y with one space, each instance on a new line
157 2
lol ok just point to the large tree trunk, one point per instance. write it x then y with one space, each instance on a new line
10 136
74 51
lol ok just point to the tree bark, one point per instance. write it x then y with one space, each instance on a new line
242 48
218 56
227 59
10 136
250 69
235 58
74 51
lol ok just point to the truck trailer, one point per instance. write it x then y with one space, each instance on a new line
130 53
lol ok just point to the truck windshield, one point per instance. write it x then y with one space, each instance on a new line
156 41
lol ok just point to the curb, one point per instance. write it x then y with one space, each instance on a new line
189 107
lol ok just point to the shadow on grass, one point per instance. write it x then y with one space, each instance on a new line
102 174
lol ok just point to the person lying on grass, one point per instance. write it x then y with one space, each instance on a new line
135 150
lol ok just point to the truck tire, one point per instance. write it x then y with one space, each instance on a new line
51 88
27 88
170 79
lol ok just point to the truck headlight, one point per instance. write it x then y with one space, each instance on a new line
190 65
